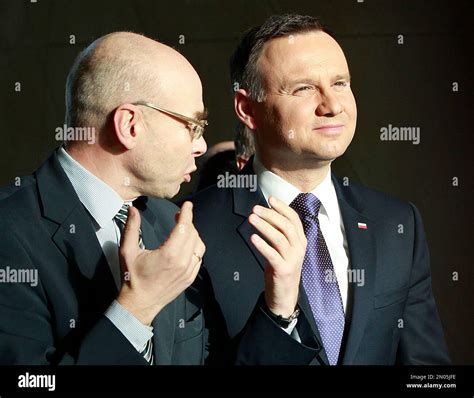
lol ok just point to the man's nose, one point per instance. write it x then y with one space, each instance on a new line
329 105
199 147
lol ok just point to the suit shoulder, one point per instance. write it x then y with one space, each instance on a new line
19 195
212 199
164 211
162 205
213 192
377 203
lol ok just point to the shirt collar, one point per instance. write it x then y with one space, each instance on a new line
100 200
273 185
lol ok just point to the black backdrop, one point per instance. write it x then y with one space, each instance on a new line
421 79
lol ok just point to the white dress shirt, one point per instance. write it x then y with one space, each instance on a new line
103 203
330 219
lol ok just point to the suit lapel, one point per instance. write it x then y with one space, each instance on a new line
245 229
362 256
75 236
82 248
244 201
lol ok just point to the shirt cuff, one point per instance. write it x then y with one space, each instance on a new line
136 332
289 329
292 331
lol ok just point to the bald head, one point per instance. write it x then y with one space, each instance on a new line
118 68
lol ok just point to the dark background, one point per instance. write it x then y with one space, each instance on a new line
408 85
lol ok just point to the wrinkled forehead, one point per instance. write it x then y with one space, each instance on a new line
313 54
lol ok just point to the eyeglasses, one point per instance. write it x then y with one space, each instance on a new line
197 126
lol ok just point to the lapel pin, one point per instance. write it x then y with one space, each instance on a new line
361 225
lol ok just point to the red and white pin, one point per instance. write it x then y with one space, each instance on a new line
361 225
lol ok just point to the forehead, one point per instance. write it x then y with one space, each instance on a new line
181 89
312 53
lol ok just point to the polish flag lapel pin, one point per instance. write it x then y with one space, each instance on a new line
361 225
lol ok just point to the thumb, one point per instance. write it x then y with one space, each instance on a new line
129 238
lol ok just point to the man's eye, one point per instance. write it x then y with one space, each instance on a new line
342 84
303 88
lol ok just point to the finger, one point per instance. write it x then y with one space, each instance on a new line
196 266
273 235
198 254
186 213
200 248
197 257
286 211
184 228
130 234
269 253
285 225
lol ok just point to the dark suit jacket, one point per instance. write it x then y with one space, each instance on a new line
391 319
45 228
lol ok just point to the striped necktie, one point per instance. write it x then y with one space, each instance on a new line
121 220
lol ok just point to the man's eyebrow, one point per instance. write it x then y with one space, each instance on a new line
301 80
340 76
344 76
201 115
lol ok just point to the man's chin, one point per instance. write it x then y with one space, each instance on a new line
177 189
331 152
168 193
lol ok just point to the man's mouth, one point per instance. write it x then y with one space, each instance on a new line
330 129
187 176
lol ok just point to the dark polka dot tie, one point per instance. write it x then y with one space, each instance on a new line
121 220
318 278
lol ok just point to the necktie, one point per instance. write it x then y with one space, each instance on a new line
121 220
318 278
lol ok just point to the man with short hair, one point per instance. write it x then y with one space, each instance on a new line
108 269
365 288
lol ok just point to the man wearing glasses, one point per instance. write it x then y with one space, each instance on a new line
100 268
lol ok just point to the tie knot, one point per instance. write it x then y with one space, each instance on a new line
306 205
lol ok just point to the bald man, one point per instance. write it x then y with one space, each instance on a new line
98 267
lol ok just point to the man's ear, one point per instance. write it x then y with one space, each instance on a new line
127 124
244 108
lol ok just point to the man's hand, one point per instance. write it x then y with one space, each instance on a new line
281 227
154 278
